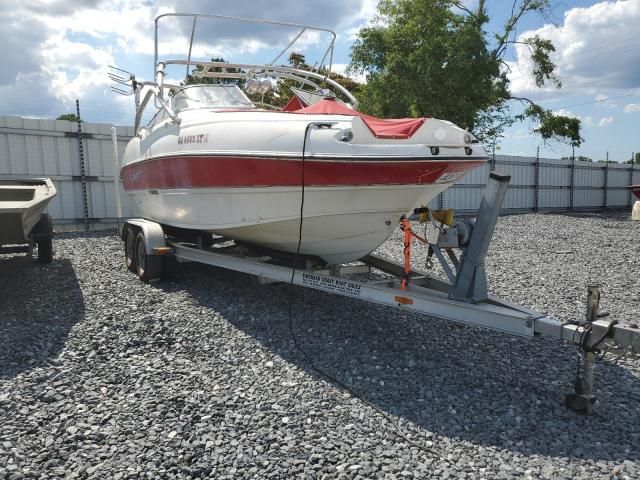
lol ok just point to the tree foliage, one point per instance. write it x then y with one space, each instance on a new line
434 58
635 158
70 117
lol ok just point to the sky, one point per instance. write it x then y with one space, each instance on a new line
57 51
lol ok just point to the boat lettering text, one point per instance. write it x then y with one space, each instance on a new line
136 176
200 138
344 287
449 177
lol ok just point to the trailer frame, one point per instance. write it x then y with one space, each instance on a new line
464 299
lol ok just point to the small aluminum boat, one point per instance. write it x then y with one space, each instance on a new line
22 217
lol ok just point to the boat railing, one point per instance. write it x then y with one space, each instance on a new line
221 70
245 71
302 29
144 91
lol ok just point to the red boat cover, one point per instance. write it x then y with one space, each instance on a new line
294 104
400 128
635 189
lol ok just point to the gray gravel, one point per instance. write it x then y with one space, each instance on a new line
197 376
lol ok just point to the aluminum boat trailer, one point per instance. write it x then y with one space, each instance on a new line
463 299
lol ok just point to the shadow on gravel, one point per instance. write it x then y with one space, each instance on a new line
39 304
451 381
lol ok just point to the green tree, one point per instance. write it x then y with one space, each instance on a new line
71 117
434 58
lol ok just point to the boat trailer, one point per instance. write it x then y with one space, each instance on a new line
463 298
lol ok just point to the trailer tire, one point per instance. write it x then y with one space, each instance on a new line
130 249
148 267
43 237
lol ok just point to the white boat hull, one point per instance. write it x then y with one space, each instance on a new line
340 224
239 175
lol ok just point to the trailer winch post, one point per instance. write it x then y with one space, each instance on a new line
593 305
471 280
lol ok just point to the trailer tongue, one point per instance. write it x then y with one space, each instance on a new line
464 298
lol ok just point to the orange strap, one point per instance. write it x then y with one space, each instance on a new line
406 227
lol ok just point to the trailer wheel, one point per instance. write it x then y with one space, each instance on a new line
149 267
130 249
43 237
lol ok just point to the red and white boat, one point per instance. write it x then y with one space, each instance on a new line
213 160
635 189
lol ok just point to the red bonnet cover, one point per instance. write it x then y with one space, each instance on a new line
293 105
400 128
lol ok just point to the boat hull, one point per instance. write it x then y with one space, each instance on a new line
340 224
22 203
239 175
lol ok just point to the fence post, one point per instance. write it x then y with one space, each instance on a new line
630 204
493 156
83 176
536 193
572 182
605 196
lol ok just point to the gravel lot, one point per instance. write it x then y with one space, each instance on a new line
197 376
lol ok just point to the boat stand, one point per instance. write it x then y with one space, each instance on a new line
463 299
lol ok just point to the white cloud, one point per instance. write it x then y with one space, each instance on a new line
587 121
632 107
565 113
57 50
605 121
367 12
605 102
593 48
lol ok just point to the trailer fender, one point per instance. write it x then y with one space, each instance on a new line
154 239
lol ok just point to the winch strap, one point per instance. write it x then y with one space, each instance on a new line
418 237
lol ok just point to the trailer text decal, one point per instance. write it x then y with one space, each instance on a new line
344 287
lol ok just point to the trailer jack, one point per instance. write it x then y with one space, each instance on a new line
583 399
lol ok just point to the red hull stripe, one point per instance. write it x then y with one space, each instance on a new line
217 171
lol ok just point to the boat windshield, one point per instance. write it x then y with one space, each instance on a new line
207 96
